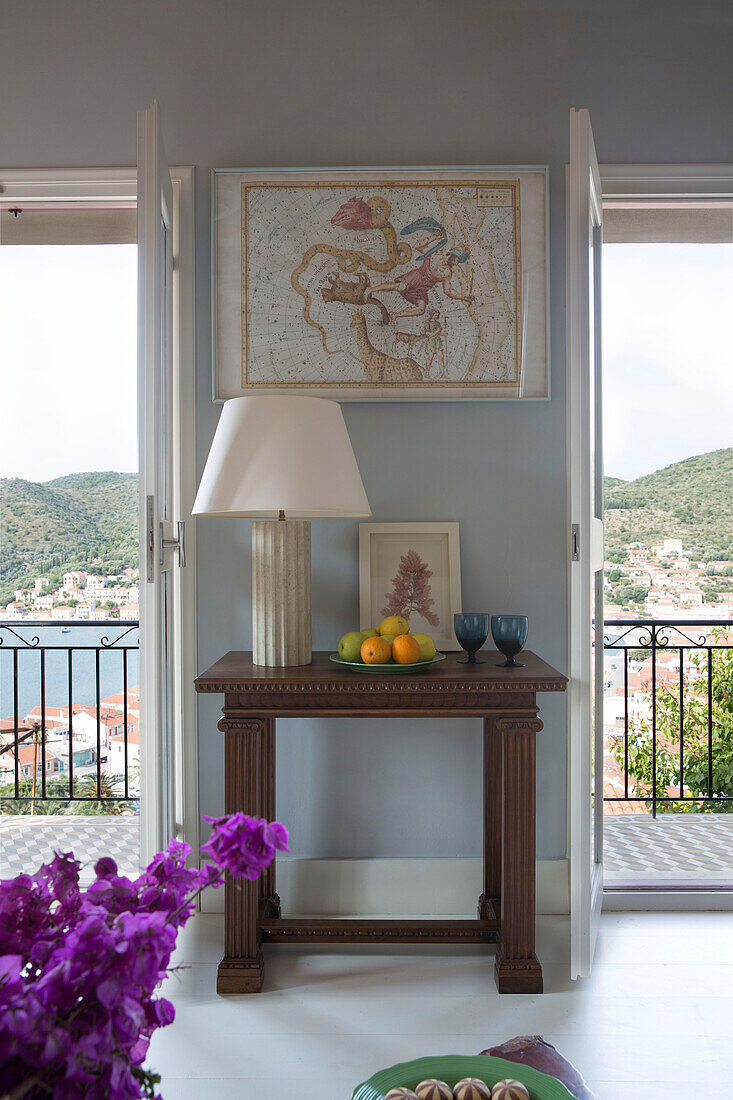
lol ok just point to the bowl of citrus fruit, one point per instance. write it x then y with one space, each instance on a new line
389 649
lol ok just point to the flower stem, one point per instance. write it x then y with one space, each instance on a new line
25 1087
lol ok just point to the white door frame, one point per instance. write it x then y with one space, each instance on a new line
585 535
662 185
184 489
71 186
672 183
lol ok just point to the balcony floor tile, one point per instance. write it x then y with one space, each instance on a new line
683 849
27 841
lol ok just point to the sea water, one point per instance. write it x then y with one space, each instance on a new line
56 645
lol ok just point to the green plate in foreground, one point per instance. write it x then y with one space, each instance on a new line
392 669
452 1068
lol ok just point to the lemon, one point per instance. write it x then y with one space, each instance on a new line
427 646
394 624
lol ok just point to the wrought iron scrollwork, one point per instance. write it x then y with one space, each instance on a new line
29 643
107 644
644 641
13 642
655 634
650 637
665 640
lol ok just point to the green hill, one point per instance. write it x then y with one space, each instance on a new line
690 500
70 523
90 519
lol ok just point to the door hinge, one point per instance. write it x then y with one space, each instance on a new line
178 543
150 538
575 542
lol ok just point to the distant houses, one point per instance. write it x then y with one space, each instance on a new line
83 724
52 742
80 734
81 596
676 586
118 764
667 584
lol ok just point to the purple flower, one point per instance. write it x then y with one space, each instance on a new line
164 1011
105 868
10 968
244 846
79 969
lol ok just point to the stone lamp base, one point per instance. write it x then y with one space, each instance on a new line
281 592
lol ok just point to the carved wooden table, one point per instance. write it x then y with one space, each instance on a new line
254 697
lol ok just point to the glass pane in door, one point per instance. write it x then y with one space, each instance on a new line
69 662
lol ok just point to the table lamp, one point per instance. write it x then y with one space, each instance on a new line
288 459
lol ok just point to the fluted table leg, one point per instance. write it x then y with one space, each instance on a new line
268 893
240 971
517 968
491 892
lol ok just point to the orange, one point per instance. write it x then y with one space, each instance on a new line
376 651
406 649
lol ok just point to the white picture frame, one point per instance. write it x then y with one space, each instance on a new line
387 581
262 344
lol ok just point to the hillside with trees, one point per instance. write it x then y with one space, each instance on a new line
690 500
81 521
90 520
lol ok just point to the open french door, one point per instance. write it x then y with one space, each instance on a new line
585 472
161 552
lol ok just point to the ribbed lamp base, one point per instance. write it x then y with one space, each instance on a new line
281 592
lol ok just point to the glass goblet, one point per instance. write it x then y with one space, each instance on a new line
509 633
472 630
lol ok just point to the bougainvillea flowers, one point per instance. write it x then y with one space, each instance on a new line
79 968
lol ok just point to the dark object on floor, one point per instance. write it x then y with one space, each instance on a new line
532 1050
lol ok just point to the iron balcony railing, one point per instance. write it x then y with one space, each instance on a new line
27 650
677 708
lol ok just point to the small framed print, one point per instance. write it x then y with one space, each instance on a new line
413 570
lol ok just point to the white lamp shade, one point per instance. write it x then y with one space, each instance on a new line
273 454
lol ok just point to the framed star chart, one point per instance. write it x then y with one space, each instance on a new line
381 283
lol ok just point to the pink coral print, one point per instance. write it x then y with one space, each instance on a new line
411 590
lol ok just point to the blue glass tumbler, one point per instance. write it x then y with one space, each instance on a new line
472 630
509 633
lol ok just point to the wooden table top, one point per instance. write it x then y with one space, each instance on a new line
236 672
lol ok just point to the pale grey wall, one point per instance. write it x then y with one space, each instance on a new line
289 82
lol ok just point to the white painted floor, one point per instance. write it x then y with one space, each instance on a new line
654 1021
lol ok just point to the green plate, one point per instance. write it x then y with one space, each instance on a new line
391 669
452 1068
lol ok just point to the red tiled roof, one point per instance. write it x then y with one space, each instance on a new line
57 715
25 754
133 737
118 699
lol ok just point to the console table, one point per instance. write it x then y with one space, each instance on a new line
255 697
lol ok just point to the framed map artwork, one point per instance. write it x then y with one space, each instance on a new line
381 283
